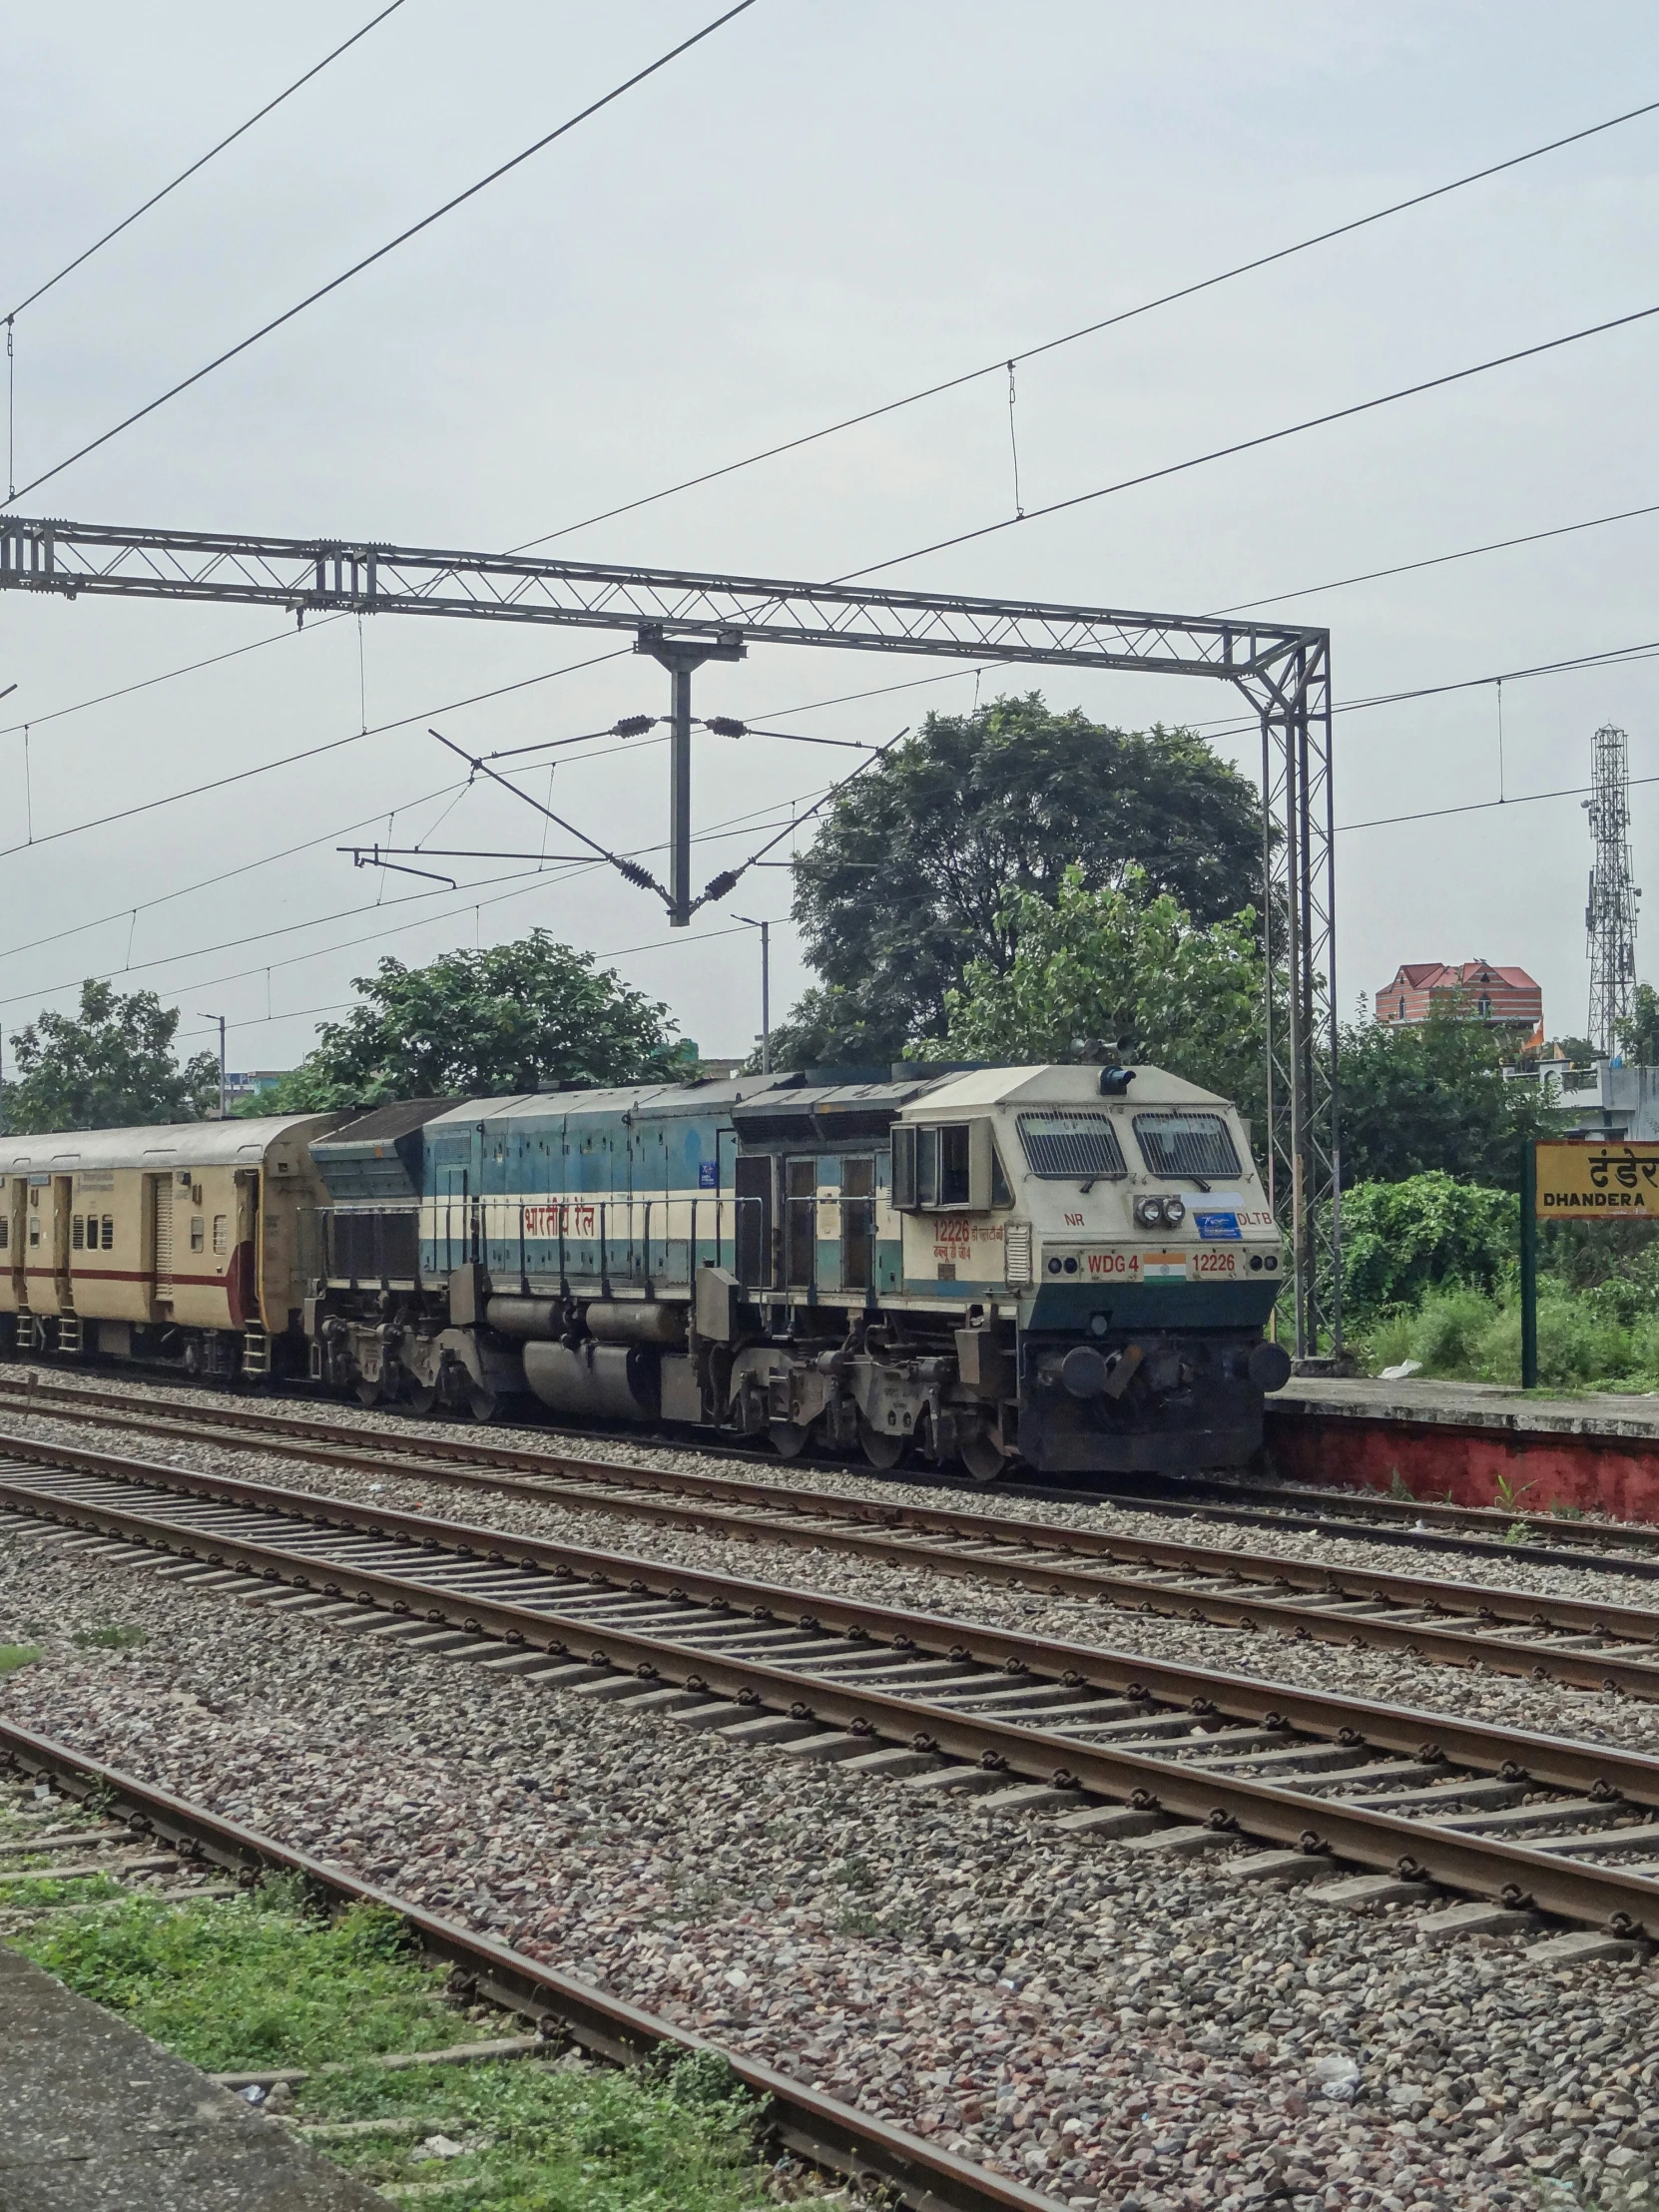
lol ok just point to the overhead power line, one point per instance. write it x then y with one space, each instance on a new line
201 161
1247 445
380 252
1005 362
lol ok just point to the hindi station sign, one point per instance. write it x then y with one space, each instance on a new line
1613 1180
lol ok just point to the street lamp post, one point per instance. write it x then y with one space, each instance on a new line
765 927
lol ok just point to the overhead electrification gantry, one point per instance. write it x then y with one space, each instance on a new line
682 618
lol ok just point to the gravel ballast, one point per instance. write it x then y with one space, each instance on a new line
1473 1694
1117 2031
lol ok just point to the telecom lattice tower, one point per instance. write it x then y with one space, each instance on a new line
1610 916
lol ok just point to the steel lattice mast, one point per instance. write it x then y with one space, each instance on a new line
1610 916
681 617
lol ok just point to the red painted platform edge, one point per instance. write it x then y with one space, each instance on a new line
1443 1463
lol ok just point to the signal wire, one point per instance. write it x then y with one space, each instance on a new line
202 162
380 252
1091 330
1247 445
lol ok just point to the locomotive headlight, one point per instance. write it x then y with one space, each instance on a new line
1175 1212
1149 1212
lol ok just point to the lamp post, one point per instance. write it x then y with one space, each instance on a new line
765 927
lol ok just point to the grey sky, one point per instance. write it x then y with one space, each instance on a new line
821 208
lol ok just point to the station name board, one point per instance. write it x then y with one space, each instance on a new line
1598 1180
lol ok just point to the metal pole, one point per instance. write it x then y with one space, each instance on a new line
679 797
1529 1264
222 1067
766 998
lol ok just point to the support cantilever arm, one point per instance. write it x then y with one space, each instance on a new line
640 877
720 885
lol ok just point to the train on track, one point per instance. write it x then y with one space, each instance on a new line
1044 1269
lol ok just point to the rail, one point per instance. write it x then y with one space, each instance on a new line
815 2127
1439 1797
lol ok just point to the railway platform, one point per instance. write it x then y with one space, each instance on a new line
1471 1444
94 2117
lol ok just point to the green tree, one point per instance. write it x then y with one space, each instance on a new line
482 1024
1418 1096
1638 1038
109 1067
903 887
1403 1238
1117 966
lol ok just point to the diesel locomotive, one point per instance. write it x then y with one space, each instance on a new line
1058 1268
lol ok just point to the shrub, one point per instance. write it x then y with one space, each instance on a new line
1403 1240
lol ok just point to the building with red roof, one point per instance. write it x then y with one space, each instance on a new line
1503 997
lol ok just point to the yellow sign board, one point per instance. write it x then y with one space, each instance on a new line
1610 1181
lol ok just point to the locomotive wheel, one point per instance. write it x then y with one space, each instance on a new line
788 1438
880 1449
482 1405
982 1457
369 1393
421 1398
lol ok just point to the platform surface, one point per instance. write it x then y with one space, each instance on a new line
94 2117
1470 1404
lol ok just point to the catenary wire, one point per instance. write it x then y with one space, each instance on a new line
311 753
733 825
380 252
1254 444
202 162
1090 330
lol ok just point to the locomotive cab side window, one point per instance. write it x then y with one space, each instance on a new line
940 1169
1183 1146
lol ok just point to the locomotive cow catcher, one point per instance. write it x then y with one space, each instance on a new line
1063 1268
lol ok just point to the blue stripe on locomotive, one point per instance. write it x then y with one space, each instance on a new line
600 1184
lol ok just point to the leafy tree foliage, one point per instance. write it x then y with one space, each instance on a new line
903 885
1419 1096
1403 1238
1638 1037
1118 964
109 1067
482 1024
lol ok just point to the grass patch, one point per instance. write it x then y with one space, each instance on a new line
258 1982
17 1655
109 1638
560 2138
35 1895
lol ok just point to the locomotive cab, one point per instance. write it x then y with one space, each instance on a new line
1102 1245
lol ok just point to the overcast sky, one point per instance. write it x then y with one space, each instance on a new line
823 207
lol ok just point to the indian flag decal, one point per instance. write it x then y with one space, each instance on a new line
1163 1267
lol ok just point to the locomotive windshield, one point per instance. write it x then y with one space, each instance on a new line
1070 1147
1182 1144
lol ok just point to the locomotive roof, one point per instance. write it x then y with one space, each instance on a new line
1061 1086
621 1098
192 1144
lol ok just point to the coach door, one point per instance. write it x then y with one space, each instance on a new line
63 1206
14 1213
158 1207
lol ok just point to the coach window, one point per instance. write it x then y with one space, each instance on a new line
197 1232
109 1232
5 1233
221 1233
77 1234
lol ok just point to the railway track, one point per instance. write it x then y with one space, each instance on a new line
805 2120
1615 1547
1583 1645
1161 1757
